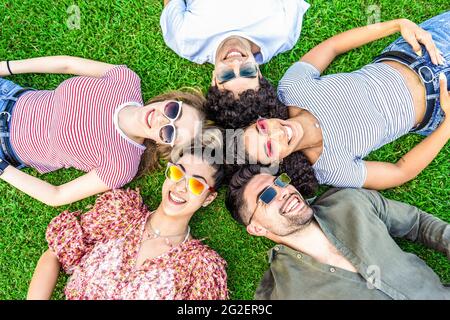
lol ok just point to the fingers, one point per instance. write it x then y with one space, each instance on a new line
411 39
445 97
427 40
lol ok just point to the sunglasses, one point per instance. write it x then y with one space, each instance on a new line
195 185
263 128
168 132
270 192
247 70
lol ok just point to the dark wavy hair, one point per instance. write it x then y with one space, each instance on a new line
228 112
297 167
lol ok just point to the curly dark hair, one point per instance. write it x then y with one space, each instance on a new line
296 165
228 112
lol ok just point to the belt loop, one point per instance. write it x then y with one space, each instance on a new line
7 113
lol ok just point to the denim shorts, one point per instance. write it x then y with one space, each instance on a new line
7 89
439 27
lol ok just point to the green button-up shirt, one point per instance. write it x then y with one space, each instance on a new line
360 224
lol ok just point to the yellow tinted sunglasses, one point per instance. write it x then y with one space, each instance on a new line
193 184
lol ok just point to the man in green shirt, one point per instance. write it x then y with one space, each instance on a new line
341 246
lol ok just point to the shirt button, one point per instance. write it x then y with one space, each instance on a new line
299 256
332 270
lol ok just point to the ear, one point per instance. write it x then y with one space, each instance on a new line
210 198
256 230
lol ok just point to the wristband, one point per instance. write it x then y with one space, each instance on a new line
9 69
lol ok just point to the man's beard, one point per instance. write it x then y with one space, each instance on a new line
295 223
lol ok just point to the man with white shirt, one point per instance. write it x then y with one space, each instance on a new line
236 36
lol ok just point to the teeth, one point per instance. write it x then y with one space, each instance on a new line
233 54
176 199
289 133
291 205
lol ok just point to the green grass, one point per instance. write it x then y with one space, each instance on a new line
127 32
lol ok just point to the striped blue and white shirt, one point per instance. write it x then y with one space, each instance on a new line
358 112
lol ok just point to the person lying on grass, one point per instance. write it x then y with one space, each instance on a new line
236 36
337 120
341 246
95 122
122 250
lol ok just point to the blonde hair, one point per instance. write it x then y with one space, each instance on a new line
154 152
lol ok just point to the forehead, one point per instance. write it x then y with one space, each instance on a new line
254 187
188 124
196 166
239 85
254 143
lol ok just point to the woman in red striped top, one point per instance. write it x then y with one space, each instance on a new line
95 122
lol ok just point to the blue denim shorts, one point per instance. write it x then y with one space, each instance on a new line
7 89
439 27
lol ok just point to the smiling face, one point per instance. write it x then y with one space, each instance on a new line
234 55
288 212
177 199
154 116
270 140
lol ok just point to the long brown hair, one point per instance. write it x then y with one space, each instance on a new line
154 152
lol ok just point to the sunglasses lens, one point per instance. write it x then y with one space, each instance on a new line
167 133
248 71
268 195
262 126
196 187
283 180
174 173
225 75
171 110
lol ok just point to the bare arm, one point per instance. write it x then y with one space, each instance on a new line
323 54
383 175
44 278
57 64
77 189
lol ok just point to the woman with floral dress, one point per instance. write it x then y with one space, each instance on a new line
122 250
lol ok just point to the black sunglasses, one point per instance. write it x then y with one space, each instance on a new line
247 70
270 192
168 132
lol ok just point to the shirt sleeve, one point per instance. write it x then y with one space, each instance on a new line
71 235
344 174
293 86
209 278
125 83
119 165
406 221
171 23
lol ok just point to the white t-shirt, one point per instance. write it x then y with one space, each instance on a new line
195 28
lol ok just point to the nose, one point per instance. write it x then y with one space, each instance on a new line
282 194
180 186
162 120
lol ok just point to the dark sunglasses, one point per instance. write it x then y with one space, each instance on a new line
172 112
270 192
247 70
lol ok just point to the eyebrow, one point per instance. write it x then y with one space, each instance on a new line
195 176
200 177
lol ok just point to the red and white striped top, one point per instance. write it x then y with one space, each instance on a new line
73 126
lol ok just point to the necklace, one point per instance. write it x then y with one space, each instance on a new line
156 233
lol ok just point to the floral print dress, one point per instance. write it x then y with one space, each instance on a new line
99 250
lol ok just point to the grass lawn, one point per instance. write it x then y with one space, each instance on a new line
128 32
